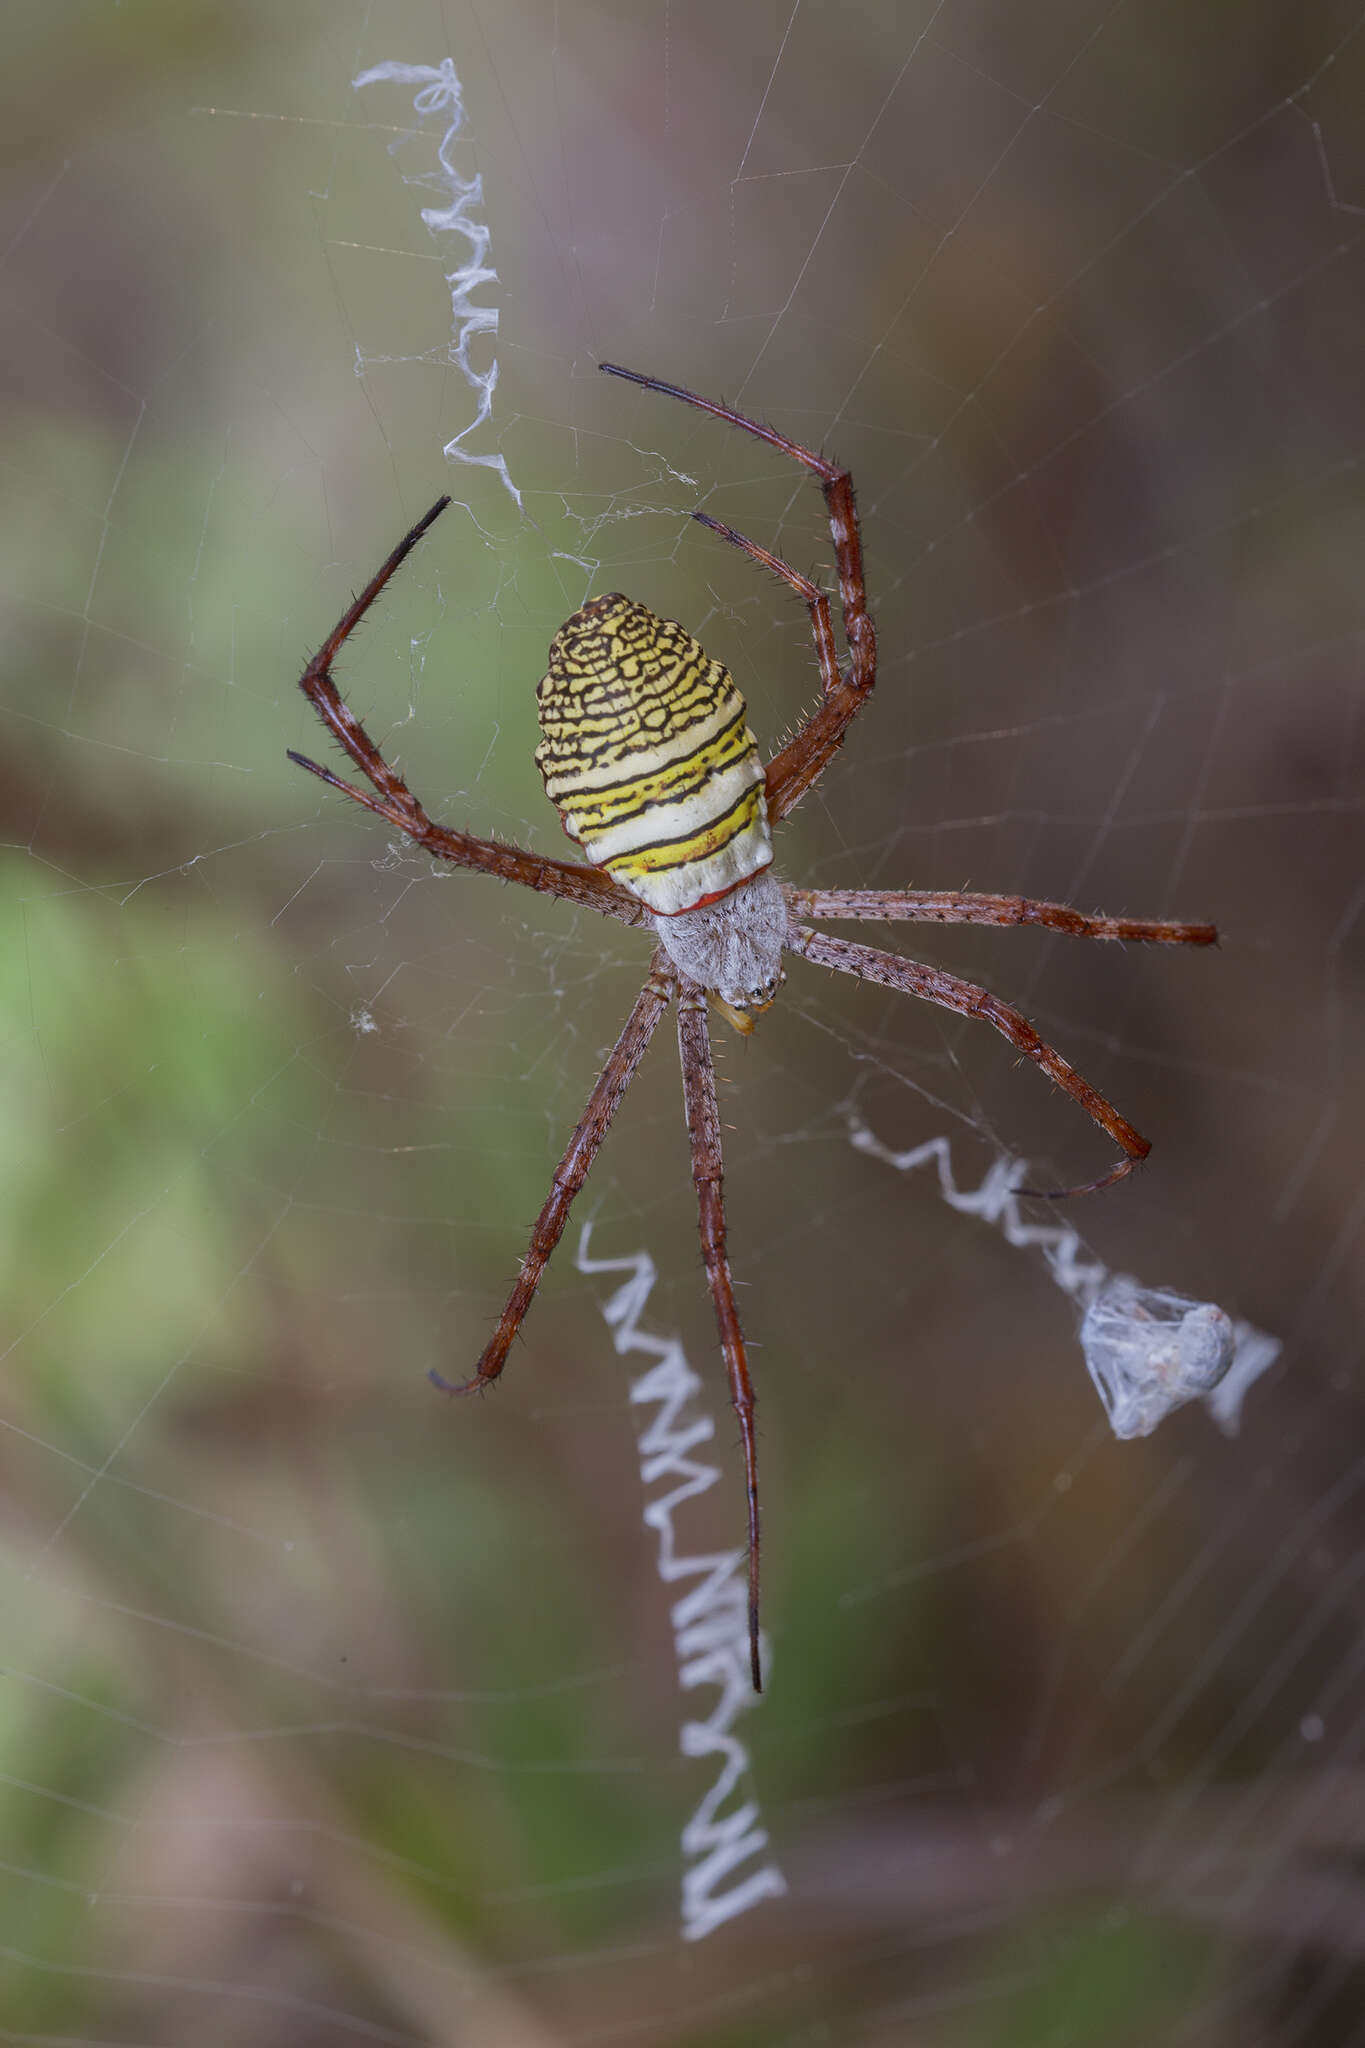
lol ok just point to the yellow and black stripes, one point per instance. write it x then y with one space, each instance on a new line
648 758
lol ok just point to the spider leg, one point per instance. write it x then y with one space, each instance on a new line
809 593
915 978
795 768
962 906
395 801
575 883
572 1170
322 693
708 1176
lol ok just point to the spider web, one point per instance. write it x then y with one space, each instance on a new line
334 1714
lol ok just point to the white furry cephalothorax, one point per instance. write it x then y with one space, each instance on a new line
732 948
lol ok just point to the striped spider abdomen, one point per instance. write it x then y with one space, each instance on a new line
648 757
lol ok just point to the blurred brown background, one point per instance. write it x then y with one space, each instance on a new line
333 1714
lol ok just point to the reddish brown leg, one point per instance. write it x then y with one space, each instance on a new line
914 978
572 1170
960 906
810 594
321 692
799 764
395 801
708 1175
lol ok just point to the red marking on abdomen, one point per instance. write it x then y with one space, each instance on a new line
715 896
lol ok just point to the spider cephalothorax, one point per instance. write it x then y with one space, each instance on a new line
733 948
649 758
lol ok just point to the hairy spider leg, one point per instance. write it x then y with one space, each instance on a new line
795 768
916 978
963 906
708 1177
395 801
572 1170
810 594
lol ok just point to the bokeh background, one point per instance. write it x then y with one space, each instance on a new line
331 1713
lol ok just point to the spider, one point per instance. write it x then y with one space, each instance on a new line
648 758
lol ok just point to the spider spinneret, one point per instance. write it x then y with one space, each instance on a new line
650 761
